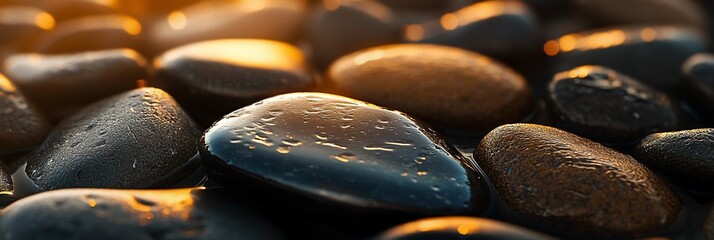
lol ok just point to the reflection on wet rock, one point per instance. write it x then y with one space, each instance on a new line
339 157
442 85
137 139
680 12
604 105
20 25
459 228
213 78
572 186
91 33
133 214
22 126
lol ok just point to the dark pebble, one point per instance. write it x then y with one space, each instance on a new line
699 79
213 78
445 86
651 54
574 187
6 187
686 156
63 84
21 25
137 139
340 158
447 228
133 214
609 12
709 225
22 126
91 33
604 105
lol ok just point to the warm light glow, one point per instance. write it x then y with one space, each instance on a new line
177 20
580 72
331 5
567 42
596 40
131 26
648 34
5 85
6 193
45 21
414 32
551 48
368 56
484 10
92 203
449 21
464 229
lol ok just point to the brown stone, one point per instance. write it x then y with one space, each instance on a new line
91 33
459 228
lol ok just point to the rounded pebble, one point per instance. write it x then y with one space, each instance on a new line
22 125
459 228
91 33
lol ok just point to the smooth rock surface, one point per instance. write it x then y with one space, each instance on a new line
651 54
63 84
340 158
698 71
459 228
686 156
573 186
604 105
336 28
681 12
442 85
20 25
91 33
213 78
136 139
22 125
279 20
427 4
500 29
133 214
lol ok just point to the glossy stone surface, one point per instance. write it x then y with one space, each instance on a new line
699 81
6 187
686 156
22 126
681 12
501 29
20 25
260 19
332 155
136 139
337 28
442 85
573 186
91 33
459 228
62 84
633 50
133 214
213 78
604 105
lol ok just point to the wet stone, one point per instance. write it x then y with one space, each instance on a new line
633 50
210 20
22 126
481 27
91 33
573 187
20 25
340 158
459 228
137 139
604 105
445 86
133 214
699 81
337 28
609 12
213 78
686 156
63 84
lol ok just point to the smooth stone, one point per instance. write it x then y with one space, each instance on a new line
459 228
604 105
136 139
336 28
133 214
279 20
445 86
610 12
91 33
425 4
685 156
213 78
72 81
574 187
698 71
20 25
638 51
499 29
340 158
69 9
22 125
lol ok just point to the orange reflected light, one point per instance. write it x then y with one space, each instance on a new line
551 48
414 32
45 21
580 72
177 20
449 21
597 40
131 26
648 34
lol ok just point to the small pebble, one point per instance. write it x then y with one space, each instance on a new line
91 33
686 156
22 125
447 228
445 86
574 187
137 139
213 78
133 214
604 105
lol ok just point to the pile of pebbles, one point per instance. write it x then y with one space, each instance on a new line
356 119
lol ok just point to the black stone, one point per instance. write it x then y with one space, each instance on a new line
699 81
685 156
133 214
22 126
341 159
137 139
6 187
465 228
604 105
